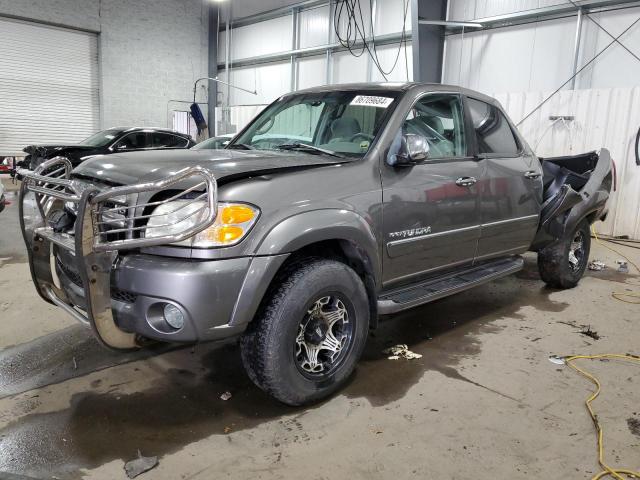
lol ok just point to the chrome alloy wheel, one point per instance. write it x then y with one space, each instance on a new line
576 252
324 337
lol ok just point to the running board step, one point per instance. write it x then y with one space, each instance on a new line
435 288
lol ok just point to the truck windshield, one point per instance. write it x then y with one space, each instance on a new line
324 123
101 139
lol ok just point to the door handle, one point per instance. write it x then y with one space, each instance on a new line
466 181
532 174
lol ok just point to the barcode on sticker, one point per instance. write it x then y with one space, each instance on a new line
371 101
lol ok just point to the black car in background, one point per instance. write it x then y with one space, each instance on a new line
113 140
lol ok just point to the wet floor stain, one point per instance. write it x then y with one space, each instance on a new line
102 424
634 426
59 356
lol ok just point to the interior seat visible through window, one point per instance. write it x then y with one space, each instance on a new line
344 128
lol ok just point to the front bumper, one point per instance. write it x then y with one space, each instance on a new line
92 257
206 292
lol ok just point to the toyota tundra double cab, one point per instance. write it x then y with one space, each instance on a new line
335 206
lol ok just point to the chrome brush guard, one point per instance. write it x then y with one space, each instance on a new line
107 220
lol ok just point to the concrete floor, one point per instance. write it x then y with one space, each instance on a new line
483 402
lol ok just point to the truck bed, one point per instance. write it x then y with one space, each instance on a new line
575 187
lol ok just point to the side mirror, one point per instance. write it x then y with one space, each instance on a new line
413 150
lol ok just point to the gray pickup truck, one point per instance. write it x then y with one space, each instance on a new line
335 206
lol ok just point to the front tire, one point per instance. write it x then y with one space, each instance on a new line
310 332
563 263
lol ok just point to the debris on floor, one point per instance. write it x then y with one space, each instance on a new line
140 465
590 333
225 396
623 266
597 265
400 351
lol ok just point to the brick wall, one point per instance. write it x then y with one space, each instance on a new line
151 51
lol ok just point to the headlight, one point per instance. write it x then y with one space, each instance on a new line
233 222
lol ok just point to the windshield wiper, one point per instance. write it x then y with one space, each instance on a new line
239 146
308 148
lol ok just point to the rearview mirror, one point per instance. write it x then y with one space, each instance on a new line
413 149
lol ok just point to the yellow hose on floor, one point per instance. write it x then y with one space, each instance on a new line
622 296
607 470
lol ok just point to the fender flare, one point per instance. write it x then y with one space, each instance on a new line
295 233
314 226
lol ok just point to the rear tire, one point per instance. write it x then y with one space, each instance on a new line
563 263
308 336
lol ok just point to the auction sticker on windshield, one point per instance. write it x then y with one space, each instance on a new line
372 101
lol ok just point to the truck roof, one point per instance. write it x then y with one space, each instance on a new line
396 87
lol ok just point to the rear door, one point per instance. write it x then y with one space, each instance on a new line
511 190
431 216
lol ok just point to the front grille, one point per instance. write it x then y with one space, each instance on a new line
123 296
116 293
69 273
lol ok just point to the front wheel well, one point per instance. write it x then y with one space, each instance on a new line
341 250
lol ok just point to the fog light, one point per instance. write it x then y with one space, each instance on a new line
173 316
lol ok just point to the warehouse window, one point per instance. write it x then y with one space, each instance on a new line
493 133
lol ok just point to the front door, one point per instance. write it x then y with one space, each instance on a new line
431 217
511 191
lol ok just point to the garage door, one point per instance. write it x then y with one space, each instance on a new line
48 85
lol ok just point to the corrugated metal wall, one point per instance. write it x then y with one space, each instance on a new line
275 36
539 55
603 118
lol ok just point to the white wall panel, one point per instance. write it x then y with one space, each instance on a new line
314 27
512 59
387 56
390 16
603 118
471 9
615 67
271 80
349 69
270 36
312 72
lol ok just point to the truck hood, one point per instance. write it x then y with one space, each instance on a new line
226 165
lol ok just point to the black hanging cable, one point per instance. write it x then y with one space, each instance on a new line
356 31
577 72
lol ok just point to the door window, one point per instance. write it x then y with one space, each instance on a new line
439 118
133 141
167 140
493 132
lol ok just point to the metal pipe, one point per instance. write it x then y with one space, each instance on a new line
576 49
229 86
294 46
